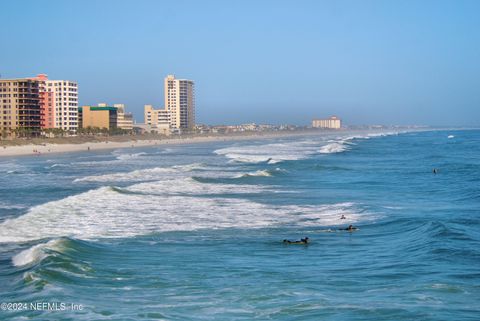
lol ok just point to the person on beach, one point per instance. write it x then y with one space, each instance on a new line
302 241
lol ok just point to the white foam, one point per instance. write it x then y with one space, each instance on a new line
333 148
292 150
7 206
264 172
130 156
173 205
59 165
166 200
269 153
451 136
189 186
36 253
141 174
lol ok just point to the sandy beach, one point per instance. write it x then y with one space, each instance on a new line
52 148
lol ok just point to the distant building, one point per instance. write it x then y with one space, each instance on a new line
98 116
158 120
331 123
47 103
124 119
59 99
180 102
20 107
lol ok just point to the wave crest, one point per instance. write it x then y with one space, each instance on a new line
36 253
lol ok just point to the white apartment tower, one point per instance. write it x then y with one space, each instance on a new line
180 102
64 95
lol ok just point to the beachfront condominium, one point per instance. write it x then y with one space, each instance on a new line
158 120
180 103
59 100
330 123
20 108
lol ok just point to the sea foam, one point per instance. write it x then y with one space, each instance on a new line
141 174
172 205
35 253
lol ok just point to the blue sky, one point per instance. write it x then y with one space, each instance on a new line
389 62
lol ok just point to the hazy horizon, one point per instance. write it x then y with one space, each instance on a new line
368 62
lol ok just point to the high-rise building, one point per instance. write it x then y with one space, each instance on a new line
330 123
65 99
180 102
59 100
20 108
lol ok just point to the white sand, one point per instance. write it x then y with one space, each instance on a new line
31 149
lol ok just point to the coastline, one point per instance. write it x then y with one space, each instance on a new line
52 148
115 142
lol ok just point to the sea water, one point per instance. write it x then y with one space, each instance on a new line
194 232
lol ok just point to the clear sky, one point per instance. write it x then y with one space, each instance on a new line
389 62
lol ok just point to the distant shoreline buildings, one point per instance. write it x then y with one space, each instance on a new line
29 106
178 113
37 106
331 123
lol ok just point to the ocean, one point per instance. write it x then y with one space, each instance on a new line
195 232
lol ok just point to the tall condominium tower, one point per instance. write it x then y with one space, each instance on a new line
60 103
20 108
180 102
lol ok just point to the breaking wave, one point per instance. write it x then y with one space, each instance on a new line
260 173
36 253
141 174
290 151
333 148
172 205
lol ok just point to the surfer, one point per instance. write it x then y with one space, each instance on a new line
435 171
349 228
343 217
302 241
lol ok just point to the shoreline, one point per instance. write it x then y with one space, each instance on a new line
53 148
115 142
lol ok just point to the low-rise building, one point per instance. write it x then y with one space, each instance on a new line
98 116
124 119
157 119
330 123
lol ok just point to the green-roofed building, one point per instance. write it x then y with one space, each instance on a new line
97 116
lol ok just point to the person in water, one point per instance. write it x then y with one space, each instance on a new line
302 241
435 171
349 228
343 217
